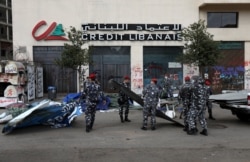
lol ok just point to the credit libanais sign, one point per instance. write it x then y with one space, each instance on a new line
132 32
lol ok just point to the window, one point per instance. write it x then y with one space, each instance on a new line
9 17
9 3
3 53
222 19
3 32
3 2
3 15
10 33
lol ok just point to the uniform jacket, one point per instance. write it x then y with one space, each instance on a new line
198 96
122 96
185 93
93 92
151 94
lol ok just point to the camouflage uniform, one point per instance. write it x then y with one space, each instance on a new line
185 96
93 94
123 102
167 86
197 107
209 103
151 98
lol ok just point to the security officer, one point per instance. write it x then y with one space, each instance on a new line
209 103
150 95
123 100
93 95
167 86
185 97
197 107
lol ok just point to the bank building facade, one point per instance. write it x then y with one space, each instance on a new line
136 38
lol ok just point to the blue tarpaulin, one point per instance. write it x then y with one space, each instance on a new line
71 97
55 116
102 104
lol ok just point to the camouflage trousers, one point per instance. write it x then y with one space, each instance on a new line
90 113
193 115
122 107
149 110
209 107
185 114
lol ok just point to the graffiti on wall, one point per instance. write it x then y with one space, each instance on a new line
39 82
247 74
230 77
191 70
153 69
229 73
137 78
247 78
31 82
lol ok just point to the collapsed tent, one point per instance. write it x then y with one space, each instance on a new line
44 113
57 115
12 111
101 105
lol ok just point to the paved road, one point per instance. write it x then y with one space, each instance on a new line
110 140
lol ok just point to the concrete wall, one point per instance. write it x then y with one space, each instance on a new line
229 34
203 2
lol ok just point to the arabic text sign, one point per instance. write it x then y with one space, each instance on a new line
138 27
144 32
4 101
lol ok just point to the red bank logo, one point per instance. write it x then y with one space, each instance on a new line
54 32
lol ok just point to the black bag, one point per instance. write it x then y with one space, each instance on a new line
120 101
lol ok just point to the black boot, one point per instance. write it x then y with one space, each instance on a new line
204 132
121 117
153 128
87 128
185 128
211 117
210 114
144 128
191 132
126 119
91 125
